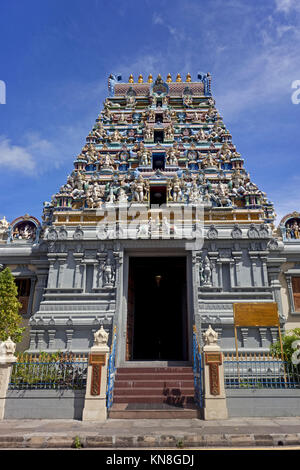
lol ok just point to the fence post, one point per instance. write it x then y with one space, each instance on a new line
215 406
95 395
7 359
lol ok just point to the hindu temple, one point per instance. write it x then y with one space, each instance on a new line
158 231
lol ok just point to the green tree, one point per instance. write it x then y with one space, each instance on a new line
10 319
287 341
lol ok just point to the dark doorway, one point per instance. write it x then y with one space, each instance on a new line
158 136
157 313
159 118
23 286
158 162
158 195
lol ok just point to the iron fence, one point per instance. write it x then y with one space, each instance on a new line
111 372
260 371
49 372
197 369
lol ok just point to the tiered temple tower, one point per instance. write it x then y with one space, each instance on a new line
158 227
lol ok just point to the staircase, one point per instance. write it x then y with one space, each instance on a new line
154 392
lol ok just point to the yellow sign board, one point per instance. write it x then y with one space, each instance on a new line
256 314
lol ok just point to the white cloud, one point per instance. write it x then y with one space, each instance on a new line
287 5
38 155
15 157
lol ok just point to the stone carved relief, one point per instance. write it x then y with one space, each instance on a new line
212 233
205 272
253 232
100 337
52 234
273 245
63 234
210 336
108 271
78 234
236 232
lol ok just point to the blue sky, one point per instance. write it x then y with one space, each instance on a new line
56 56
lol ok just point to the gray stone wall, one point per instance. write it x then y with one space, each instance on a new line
263 403
44 404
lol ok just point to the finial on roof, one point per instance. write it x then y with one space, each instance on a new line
130 80
150 78
178 78
140 79
188 78
169 78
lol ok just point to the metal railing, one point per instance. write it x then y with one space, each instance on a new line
111 372
49 372
260 371
197 369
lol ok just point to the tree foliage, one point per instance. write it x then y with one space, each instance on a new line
10 319
287 341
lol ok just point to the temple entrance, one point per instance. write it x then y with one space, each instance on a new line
157 309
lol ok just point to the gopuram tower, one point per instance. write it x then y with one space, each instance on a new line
158 228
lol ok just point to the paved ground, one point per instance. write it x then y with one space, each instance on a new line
150 433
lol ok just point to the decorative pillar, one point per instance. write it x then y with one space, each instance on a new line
245 333
214 391
253 260
237 256
7 359
263 336
95 396
95 275
231 271
39 288
264 270
62 264
77 275
276 287
53 273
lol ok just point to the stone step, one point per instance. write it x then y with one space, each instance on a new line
170 399
152 411
153 376
154 370
154 391
120 383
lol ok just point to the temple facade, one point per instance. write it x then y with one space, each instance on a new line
158 228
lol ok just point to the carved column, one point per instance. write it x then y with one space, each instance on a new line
290 292
77 275
263 337
237 255
213 261
95 396
62 263
245 333
264 270
40 341
52 278
231 270
40 286
219 271
276 287
51 335
253 260
7 359
96 276
215 397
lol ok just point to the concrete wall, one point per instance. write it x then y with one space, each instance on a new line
44 404
263 403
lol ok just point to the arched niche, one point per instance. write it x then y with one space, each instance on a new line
25 228
290 227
